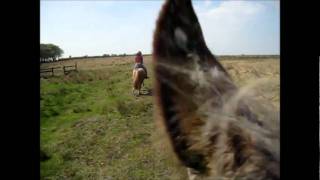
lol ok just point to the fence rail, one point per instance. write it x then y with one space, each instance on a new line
66 69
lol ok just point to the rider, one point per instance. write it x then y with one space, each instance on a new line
139 63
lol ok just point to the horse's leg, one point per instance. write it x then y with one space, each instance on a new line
133 75
191 175
139 88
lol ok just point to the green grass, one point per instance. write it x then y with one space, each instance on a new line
93 128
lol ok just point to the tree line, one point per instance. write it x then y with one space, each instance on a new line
50 52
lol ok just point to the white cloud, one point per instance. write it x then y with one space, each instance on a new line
225 25
207 3
232 13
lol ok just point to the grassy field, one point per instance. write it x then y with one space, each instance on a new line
93 128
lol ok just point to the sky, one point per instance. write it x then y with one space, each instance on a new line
230 27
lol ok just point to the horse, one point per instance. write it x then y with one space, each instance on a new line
215 131
138 76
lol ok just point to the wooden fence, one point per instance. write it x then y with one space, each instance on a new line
66 70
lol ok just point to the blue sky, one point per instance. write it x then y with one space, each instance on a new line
105 27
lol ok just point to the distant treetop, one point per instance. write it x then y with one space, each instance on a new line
50 52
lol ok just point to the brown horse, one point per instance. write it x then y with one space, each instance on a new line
138 76
212 128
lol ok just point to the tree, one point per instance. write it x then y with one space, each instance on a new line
49 52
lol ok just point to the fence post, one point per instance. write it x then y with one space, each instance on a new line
76 66
52 71
64 71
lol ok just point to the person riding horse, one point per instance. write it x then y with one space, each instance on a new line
139 63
